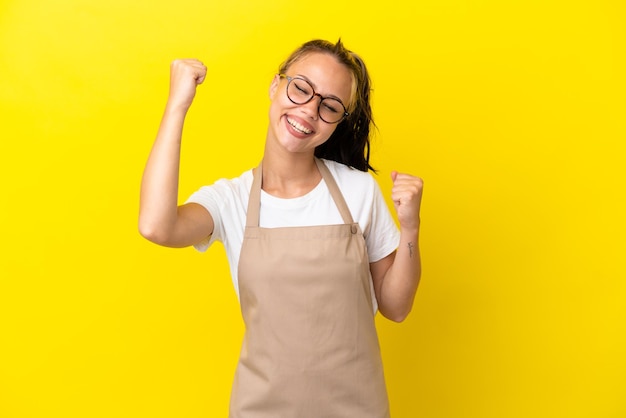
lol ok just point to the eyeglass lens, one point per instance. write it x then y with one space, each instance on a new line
300 91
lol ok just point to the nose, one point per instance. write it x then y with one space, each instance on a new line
311 108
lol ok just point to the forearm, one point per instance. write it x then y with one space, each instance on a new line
159 186
401 280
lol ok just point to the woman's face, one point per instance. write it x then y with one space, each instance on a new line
298 127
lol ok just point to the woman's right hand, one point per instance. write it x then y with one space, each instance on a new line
185 76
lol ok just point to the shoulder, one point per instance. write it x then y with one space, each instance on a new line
224 193
236 185
359 189
350 180
342 171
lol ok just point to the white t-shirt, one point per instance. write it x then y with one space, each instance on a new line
227 202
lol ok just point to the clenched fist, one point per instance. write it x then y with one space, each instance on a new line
185 76
406 194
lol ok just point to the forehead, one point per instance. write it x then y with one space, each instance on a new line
327 75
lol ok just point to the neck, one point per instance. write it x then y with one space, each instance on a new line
288 175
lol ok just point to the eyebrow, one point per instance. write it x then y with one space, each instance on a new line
330 96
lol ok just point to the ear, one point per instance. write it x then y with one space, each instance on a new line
274 86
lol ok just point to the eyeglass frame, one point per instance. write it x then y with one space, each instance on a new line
290 79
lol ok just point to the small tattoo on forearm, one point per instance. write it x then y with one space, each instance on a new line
411 246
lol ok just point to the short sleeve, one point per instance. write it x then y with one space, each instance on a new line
382 237
226 200
208 197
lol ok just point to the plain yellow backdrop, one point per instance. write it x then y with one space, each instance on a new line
513 112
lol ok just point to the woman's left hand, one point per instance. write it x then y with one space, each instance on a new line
406 194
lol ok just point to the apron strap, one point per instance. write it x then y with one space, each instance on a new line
254 202
335 192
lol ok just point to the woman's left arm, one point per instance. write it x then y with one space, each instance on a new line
397 276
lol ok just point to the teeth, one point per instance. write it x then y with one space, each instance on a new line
299 127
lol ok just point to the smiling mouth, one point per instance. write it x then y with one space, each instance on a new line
298 127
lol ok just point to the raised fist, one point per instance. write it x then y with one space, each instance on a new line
185 76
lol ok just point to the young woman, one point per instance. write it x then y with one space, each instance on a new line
313 250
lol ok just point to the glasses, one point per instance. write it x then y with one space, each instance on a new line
300 91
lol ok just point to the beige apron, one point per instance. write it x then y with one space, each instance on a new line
310 349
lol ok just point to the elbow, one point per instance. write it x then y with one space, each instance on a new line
148 233
398 315
152 233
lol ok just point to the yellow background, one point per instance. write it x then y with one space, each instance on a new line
513 112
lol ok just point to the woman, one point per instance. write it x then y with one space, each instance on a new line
312 247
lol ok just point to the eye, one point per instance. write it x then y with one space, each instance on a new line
302 87
332 106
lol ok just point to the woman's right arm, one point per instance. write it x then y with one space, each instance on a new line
161 220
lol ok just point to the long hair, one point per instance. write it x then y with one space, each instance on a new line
349 144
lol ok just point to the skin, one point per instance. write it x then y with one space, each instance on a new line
289 170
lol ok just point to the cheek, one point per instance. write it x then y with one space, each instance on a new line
275 110
279 106
326 131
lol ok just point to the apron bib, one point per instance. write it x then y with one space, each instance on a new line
310 349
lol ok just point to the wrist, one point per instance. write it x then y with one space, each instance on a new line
175 110
410 231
